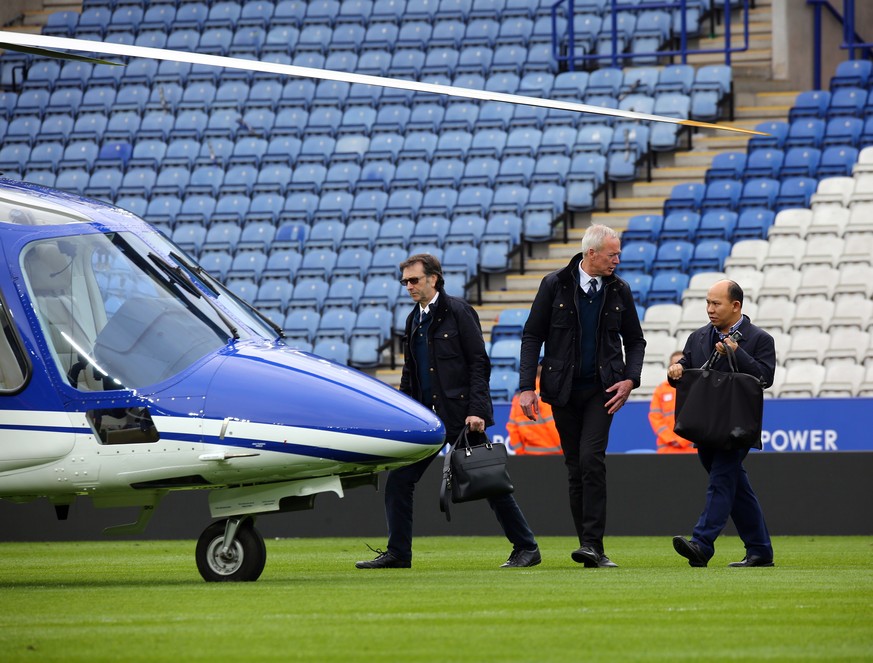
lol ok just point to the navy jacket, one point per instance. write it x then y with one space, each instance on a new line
553 320
460 367
756 352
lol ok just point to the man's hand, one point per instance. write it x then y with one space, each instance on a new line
675 371
530 404
622 391
476 424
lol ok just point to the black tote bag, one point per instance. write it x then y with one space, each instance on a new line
473 471
718 409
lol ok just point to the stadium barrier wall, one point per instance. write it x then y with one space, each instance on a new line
656 495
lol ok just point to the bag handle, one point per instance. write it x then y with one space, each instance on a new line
446 485
463 442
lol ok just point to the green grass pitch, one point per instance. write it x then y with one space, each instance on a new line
144 601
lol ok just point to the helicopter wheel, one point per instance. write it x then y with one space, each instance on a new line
242 562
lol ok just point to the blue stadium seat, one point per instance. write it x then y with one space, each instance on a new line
712 85
410 174
836 161
309 293
276 294
640 283
688 196
676 78
652 31
282 264
717 224
164 210
843 131
217 263
852 73
505 353
805 132
381 289
503 384
759 192
777 133
764 163
332 350
665 136
104 183
680 225
795 192
810 103
494 115
800 162
335 323
403 203
289 12
847 101
439 201
642 228
753 223
709 256
667 287
726 165
672 255
301 323
325 234
724 194
640 80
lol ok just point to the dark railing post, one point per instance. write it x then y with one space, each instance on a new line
816 46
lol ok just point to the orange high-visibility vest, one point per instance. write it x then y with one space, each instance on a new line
662 417
532 438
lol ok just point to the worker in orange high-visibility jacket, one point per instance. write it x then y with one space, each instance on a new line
532 438
662 417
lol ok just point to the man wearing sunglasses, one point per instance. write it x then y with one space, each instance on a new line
447 368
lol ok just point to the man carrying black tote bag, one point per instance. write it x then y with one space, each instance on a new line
446 367
729 493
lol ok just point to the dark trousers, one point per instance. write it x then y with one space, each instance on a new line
583 426
730 495
399 491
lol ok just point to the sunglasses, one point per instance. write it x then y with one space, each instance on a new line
413 280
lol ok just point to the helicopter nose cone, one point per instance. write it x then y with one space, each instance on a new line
324 409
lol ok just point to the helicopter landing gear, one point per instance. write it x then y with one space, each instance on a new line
231 550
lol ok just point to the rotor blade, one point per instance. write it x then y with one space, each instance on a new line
326 74
55 54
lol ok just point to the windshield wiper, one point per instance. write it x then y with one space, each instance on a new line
209 281
178 276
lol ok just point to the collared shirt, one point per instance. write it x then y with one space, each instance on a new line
584 279
424 310
719 336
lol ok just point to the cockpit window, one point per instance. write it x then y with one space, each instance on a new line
117 316
13 366
24 211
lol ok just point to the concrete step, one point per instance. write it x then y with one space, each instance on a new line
753 55
767 112
633 204
656 189
682 173
695 158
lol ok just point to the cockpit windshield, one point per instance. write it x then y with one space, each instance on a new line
116 315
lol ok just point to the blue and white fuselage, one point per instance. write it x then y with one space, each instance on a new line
125 372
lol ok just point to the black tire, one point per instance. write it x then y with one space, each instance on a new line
245 560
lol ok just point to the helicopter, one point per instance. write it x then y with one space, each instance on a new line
127 371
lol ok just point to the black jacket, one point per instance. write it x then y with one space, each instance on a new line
554 321
460 368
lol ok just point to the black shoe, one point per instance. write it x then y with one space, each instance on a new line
384 560
752 560
592 559
690 551
522 558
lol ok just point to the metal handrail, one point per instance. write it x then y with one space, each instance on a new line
571 58
851 39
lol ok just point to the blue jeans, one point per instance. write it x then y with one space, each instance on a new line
399 493
730 495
